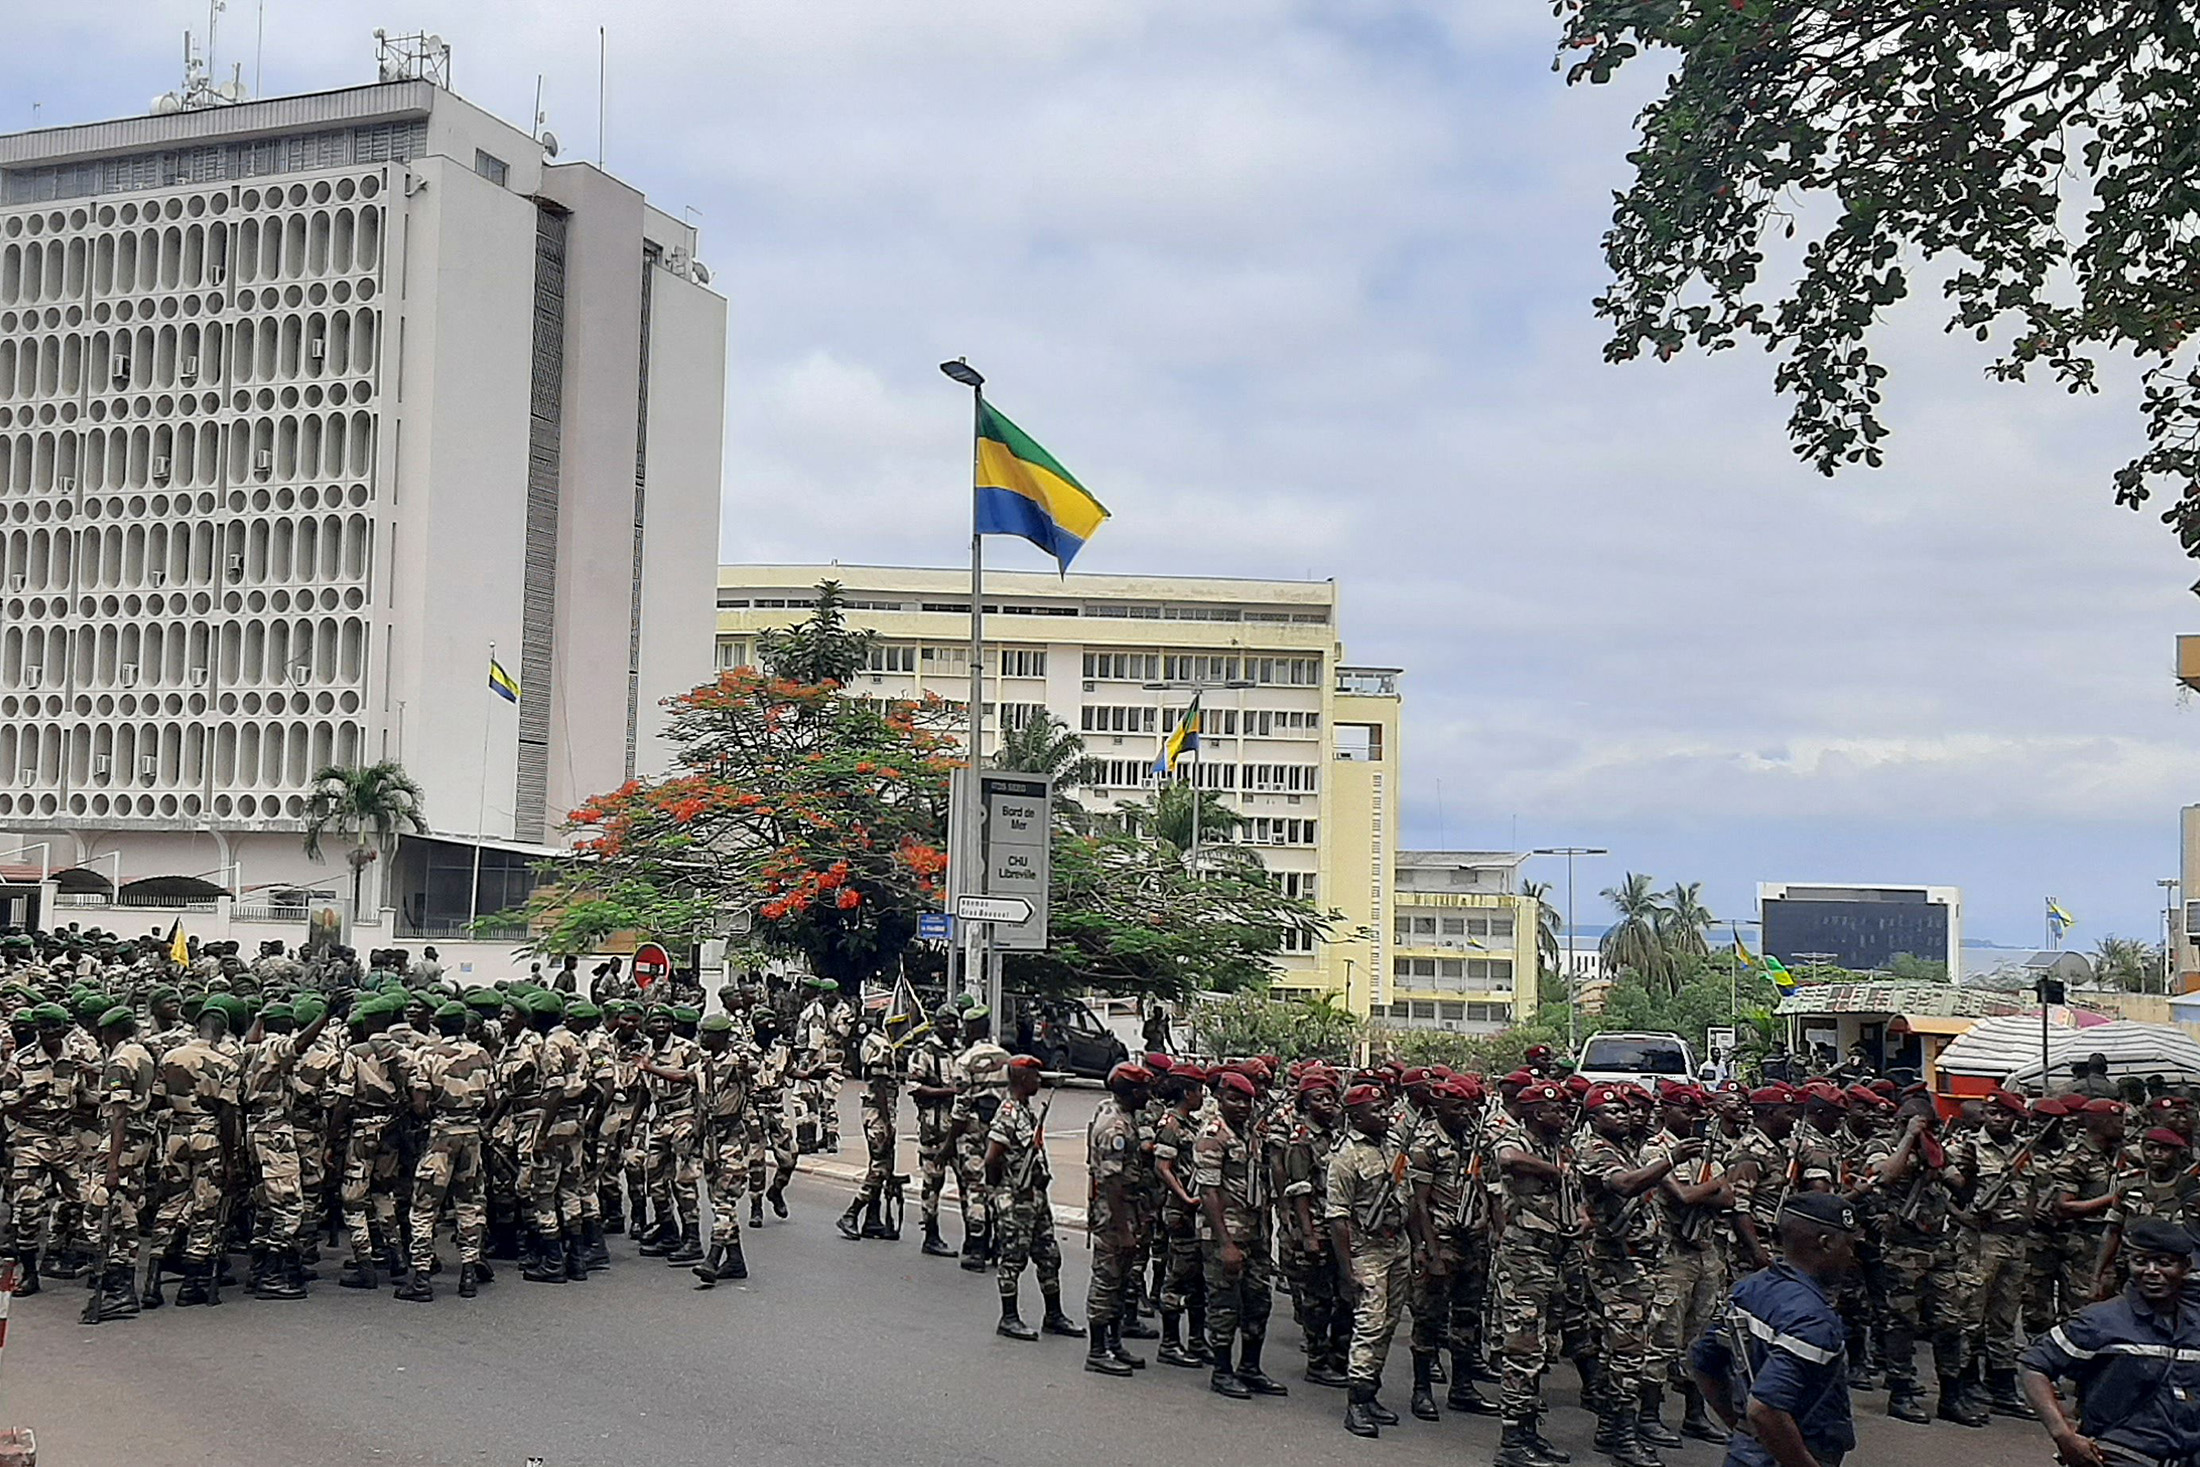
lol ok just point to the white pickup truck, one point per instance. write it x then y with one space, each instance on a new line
1642 1058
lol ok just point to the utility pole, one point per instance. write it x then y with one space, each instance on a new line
1573 971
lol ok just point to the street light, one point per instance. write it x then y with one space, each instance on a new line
2169 885
1573 973
961 371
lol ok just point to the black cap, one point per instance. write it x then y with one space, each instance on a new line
2157 1235
1822 1208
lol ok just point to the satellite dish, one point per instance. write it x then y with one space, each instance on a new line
702 273
549 142
380 34
434 42
166 103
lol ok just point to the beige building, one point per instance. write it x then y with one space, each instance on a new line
1462 942
1304 745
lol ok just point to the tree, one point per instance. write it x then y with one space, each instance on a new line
1634 944
818 813
1251 1022
1548 958
1682 921
2040 148
2128 964
370 806
1168 818
1046 745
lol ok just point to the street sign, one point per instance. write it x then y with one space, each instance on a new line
935 927
992 909
651 964
1015 827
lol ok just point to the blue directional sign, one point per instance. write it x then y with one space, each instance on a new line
935 927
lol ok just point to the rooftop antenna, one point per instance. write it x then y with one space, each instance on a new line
543 135
603 48
259 49
199 89
421 56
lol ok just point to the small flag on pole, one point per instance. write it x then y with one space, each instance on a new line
1743 953
502 683
1182 740
179 947
1777 971
2058 920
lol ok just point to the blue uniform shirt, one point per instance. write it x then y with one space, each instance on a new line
2138 1373
1796 1361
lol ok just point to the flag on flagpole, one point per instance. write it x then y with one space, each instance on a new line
1022 490
2058 920
1743 953
1182 740
502 683
1777 971
179 947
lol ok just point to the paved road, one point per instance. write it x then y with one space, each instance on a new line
835 1354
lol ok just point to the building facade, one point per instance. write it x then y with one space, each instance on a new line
306 404
1861 927
1463 942
1304 746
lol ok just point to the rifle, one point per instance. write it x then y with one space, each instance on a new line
2004 1182
98 1275
1030 1159
1737 1341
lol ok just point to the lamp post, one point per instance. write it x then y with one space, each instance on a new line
2169 885
967 814
1573 972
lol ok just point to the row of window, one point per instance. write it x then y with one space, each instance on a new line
1202 667
189 256
271 755
1259 779
730 599
274 348
1441 1011
1477 975
286 551
294 446
1469 924
301 651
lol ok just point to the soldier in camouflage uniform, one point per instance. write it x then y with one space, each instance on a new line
518 1112
769 1139
1447 1227
199 1084
1304 1235
271 1135
1364 1205
1182 1294
368 1091
1112 1216
1924 1291
2076 1193
2162 1185
881 1104
1231 1178
1992 1164
981 1080
452 1087
550 1156
597 1070
932 1088
675 1174
821 1040
39 1091
728 1069
1538 1212
1016 1170
621 1156
1691 1283
1761 1170
313 1087
117 1200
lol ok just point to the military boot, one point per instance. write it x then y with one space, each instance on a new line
256 1272
1115 1347
875 1226
1357 1418
469 1280
357 1274
576 1262
1696 1421
973 1249
735 1266
690 1247
196 1277
662 1240
707 1270
26 1276
1012 1324
1650 1424
114 1298
279 1276
1546 1450
1172 1351
416 1289
1906 1402
1515 1448
776 1195
614 1218
1463 1396
1423 1404
1133 1326
756 1209
847 1221
1956 1404
1224 1381
934 1245
540 1259
594 1251
2004 1398
1097 1358
151 1296
1257 1381
1054 1321
1616 1436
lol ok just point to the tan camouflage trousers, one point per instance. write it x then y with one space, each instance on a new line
192 1180
878 1147
771 1144
1992 1272
1691 1284
1383 1268
279 1204
119 1245
675 1169
550 1179
1026 1235
1621 1292
44 1172
1924 1300
451 1168
978 1204
729 1162
934 1158
311 1128
1530 1299
370 1183
1113 1259
1447 1311
1237 1303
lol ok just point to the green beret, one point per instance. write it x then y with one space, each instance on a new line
976 1012
718 1024
582 1009
542 1003
192 1005
820 984
119 1014
217 984
49 1013
308 1009
659 1011
947 1013
452 1010
967 1001
728 992
483 1000
161 993
277 1011
682 1014
616 1008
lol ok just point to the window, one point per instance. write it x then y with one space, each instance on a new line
1023 662
1489 1013
1264 830
490 167
1454 1012
1297 884
892 658
732 654
1106 718
728 598
1186 667
1291 672
1021 715
1360 743
1123 667
1455 927
946 661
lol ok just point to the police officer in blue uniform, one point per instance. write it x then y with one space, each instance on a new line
2136 1359
1775 1366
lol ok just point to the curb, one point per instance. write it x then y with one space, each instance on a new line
841 1174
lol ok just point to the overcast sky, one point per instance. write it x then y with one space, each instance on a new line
1302 289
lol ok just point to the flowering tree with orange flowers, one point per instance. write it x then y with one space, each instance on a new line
819 813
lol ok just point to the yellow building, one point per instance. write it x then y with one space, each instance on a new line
1462 942
1303 745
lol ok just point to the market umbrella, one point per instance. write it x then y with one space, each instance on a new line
2131 1049
1995 1047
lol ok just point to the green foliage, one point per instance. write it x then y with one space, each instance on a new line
1482 1054
1706 997
1167 817
1911 969
2128 964
2042 149
821 648
1251 1022
1047 745
371 806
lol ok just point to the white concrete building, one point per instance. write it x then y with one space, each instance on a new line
304 404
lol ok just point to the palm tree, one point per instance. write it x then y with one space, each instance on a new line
2127 963
1167 818
370 806
1683 921
1634 944
1546 925
1046 745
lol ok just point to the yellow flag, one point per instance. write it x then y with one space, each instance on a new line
179 950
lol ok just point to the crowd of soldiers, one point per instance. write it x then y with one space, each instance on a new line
166 1106
1507 1224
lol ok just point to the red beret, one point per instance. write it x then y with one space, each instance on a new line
2054 1107
1365 1095
1883 1088
1441 1072
1776 1093
1600 1096
1314 1080
1469 1086
1541 1090
1025 1062
1233 1081
1825 1092
1271 1061
1130 1074
2165 1102
1538 1052
1255 1068
1415 1076
1195 1074
1159 1063
2012 1103
2101 1105
2166 1136
1577 1085
1457 1089
1518 1077
1864 1095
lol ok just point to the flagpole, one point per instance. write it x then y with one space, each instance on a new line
972 882
481 800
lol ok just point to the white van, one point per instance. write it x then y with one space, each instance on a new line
1642 1058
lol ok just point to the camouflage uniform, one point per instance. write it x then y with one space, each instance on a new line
550 1160
1365 1187
1924 1292
1447 1308
821 1039
1237 1304
981 1077
769 1138
675 1170
89 1139
1533 1218
1182 1287
39 1093
621 1148
312 1086
1111 1162
1760 1199
2082 1171
1020 1207
726 1135
1691 1281
127 1092
519 1096
599 1067
372 1081
933 1066
1992 1244
271 1138
457 1079
200 1087
881 1108
1307 1266
1625 1260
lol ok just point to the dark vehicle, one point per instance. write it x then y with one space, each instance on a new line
1064 1033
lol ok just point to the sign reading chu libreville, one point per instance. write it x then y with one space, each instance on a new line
1017 859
